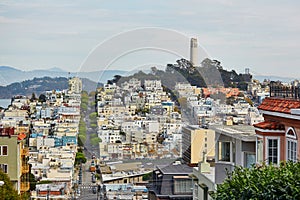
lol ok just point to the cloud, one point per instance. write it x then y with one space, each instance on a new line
7 20
238 32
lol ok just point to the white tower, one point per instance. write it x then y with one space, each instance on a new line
194 52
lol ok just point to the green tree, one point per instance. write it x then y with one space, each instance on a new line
95 141
93 125
84 106
42 98
147 177
81 140
7 190
93 103
93 115
249 101
32 181
44 182
261 182
84 97
80 158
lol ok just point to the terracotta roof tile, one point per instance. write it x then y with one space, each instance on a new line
270 125
279 105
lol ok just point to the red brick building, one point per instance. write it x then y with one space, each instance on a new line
278 137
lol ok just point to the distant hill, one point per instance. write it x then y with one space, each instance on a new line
36 85
40 86
210 73
9 75
89 85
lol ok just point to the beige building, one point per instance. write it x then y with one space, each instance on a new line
195 141
75 85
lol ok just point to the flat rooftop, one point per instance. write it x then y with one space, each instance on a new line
243 132
175 168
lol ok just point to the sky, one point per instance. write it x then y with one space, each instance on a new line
128 34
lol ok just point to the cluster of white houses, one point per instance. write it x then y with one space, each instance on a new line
39 136
132 120
138 120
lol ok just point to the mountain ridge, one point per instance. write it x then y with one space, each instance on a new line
41 85
9 75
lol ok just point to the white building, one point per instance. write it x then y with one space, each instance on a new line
75 85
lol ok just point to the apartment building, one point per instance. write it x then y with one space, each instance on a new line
13 157
75 85
195 141
234 145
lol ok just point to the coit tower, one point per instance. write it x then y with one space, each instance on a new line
194 52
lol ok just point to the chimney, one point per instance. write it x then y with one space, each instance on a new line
204 166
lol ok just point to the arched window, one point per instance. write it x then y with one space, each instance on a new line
291 144
290 133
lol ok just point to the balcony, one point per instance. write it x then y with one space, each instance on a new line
25 169
24 186
25 151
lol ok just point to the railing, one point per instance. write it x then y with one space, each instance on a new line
281 91
24 186
25 151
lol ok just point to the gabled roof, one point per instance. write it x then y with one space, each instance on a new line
279 105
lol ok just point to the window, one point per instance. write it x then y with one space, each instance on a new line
4 167
3 150
195 192
182 185
292 150
273 150
259 150
291 145
291 133
249 159
224 151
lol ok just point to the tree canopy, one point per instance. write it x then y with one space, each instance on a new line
262 182
80 158
7 190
